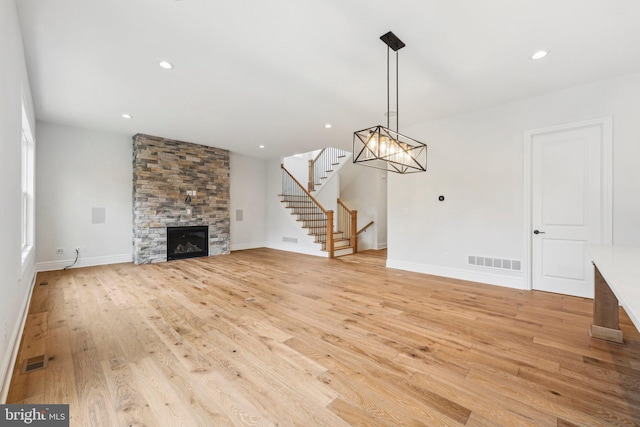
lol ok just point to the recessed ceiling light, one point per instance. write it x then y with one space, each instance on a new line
166 65
127 116
327 126
260 146
539 54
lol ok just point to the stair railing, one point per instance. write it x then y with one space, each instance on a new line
363 229
348 224
322 164
293 191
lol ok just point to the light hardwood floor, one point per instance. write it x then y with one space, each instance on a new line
263 337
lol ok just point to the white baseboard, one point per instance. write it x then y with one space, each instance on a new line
244 246
454 273
83 262
297 248
379 246
6 370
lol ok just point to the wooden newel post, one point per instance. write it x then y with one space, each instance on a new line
311 184
330 233
354 231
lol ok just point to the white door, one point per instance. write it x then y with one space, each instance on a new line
568 205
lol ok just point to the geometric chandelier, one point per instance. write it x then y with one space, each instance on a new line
383 148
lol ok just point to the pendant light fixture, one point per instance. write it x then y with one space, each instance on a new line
383 148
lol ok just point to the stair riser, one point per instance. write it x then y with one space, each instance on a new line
343 252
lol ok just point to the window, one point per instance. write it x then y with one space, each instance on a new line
27 186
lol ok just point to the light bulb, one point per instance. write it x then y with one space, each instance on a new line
384 145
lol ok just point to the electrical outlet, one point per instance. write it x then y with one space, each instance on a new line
60 251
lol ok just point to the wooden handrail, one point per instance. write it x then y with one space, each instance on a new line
318 156
364 228
344 206
302 188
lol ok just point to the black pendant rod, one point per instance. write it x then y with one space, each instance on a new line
393 42
397 96
388 87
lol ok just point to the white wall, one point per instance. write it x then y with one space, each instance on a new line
247 193
476 162
16 280
328 193
298 167
78 170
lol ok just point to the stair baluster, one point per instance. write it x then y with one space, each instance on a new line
322 164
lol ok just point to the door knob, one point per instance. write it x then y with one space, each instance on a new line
538 232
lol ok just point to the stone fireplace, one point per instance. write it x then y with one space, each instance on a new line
178 184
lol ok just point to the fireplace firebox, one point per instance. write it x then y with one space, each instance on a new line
187 242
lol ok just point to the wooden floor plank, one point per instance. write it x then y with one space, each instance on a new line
264 338
60 380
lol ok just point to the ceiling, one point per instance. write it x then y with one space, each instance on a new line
273 73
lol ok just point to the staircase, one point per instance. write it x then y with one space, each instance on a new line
337 238
322 165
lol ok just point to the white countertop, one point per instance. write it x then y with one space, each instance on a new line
620 267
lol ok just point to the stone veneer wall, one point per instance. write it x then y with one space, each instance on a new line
163 171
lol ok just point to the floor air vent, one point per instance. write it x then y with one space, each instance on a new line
290 239
34 363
